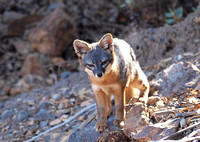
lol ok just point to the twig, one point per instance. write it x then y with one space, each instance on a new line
179 132
59 125
186 114
185 139
163 112
82 125
87 120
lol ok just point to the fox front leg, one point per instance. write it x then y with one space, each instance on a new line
119 108
102 106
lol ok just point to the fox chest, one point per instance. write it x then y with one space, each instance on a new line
107 89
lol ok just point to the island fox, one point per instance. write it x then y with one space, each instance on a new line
113 69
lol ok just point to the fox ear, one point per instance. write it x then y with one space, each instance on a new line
106 42
81 47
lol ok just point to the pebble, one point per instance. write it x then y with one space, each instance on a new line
44 115
63 111
22 115
7 113
45 105
65 75
30 102
43 124
55 122
31 122
64 117
61 106
56 97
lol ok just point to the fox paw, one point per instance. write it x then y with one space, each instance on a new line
119 123
100 126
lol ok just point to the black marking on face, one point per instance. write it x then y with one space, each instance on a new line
97 60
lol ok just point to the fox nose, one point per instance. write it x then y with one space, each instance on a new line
99 74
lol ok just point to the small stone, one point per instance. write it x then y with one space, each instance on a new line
44 115
61 106
45 105
22 115
34 64
58 61
49 81
19 100
63 111
64 117
22 47
8 114
160 104
10 16
179 57
30 102
55 122
56 97
16 91
6 90
64 75
43 124
31 122
152 100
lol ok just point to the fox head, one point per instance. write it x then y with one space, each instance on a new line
95 58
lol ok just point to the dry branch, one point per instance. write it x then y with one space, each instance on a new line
92 116
59 125
181 131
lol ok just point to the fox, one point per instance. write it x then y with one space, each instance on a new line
113 70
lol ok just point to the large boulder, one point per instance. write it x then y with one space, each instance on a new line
177 78
53 34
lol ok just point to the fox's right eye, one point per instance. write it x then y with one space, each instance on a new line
90 66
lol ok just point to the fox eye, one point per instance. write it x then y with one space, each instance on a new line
90 65
104 63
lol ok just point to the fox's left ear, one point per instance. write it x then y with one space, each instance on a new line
106 42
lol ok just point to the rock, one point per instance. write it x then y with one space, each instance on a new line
6 90
64 74
55 137
3 29
15 91
45 105
10 16
8 114
56 97
34 64
89 133
136 119
22 24
165 42
53 33
152 100
157 131
23 47
43 124
176 78
114 136
72 65
58 61
22 115
30 102
64 117
27 83
55 122
43 114
61 106
30 123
